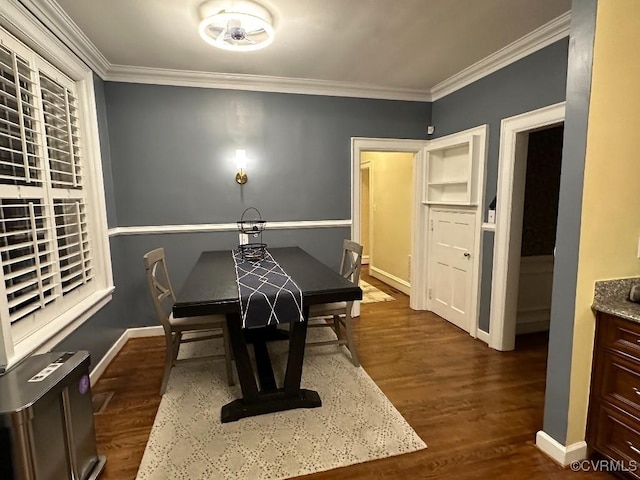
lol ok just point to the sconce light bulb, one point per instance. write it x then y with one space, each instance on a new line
241 159
241 165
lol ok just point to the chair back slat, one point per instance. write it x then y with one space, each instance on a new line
159 285
351 263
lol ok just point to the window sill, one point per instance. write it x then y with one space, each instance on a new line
57 330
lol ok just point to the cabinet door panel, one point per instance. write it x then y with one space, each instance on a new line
621 334
619 438
621 382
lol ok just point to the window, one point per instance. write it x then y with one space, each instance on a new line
53 251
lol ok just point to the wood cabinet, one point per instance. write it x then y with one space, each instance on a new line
613 428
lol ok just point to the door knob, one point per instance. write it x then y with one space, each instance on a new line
467 254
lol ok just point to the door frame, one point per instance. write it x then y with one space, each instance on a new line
508 234
418 257
367 166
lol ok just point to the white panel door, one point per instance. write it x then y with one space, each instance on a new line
450 265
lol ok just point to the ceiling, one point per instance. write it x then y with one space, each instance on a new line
401 44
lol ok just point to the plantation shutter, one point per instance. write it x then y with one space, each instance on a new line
20 157
45 249
27 256
73 244
61 127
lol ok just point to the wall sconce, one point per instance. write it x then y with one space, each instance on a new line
241 165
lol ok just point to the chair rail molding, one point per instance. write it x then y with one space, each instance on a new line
223 227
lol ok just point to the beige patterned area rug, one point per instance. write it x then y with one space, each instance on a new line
371 294
355 424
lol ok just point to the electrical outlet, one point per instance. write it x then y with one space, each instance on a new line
638 247
243 239
430 129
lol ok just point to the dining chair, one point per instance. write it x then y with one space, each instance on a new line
339 313
199 328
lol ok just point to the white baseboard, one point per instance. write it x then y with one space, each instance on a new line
138 332
534 296
365 259
533 327
395 282
534 319
558 452
104 362
482 335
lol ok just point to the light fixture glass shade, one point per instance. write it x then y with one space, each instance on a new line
241 159
240 26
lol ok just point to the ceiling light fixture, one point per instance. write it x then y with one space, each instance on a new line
238 25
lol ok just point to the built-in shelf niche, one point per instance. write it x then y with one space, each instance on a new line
451 172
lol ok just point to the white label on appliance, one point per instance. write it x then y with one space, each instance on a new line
45 372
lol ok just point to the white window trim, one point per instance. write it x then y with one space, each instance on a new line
19 22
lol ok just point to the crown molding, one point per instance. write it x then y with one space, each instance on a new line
260 83
52 16
547 34
22 24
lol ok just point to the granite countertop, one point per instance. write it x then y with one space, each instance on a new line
612 296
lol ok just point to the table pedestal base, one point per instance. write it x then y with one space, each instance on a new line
269 403
264 396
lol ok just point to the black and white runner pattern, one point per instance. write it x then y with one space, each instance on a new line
268 295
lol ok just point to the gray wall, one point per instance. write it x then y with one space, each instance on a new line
183 250
172 150
102 330
556 405
528 84
170 161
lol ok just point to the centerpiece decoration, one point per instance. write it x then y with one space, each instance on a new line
251 225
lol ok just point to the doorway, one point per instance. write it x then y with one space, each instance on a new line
417 299
539 222
527 205
386 220
365 202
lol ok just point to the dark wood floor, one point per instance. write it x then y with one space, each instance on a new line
478 410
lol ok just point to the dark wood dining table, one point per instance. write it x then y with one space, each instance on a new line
211 288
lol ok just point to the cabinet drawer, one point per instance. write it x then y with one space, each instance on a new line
621 382
618 437
622 335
